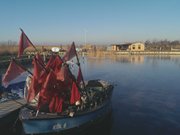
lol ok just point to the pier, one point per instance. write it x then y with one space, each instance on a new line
9 106
9 111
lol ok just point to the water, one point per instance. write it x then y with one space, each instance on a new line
146 94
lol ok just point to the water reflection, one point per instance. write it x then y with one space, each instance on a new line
128 58
137 59
119 58
173 59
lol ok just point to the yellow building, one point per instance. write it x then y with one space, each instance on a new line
137 47
128 47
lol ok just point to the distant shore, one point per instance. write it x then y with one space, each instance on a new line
134 53
148 53
27 58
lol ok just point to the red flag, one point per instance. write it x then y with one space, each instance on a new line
12 72
40 60
54 63
52 104
75 94
59 104
56 104
48 87
45 73
51 59
24 42
37 68
70 53
63 73
57 64
31 91
43 76
35 86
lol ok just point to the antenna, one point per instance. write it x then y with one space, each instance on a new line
85 36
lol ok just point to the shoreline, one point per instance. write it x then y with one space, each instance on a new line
102 53
147 53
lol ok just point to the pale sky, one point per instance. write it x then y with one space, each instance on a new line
91 21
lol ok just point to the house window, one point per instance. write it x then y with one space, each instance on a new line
133 47
139 47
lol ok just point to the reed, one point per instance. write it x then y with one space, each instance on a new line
8 50
13 49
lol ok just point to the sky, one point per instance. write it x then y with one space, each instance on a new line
90 21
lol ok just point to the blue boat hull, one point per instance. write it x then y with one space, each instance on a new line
50 125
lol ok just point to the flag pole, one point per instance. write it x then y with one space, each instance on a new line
78 63
42 65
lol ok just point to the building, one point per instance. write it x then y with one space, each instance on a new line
137 47
128 47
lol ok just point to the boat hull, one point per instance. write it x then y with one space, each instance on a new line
67 124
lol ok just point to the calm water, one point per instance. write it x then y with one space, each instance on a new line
146 97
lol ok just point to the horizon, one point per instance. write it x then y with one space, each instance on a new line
90 22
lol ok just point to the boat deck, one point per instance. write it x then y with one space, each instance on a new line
10 106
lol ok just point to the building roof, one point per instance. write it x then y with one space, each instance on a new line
126 44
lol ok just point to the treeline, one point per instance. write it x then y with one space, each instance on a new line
162 45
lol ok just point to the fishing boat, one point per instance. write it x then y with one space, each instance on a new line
63 101
58 99
75 118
